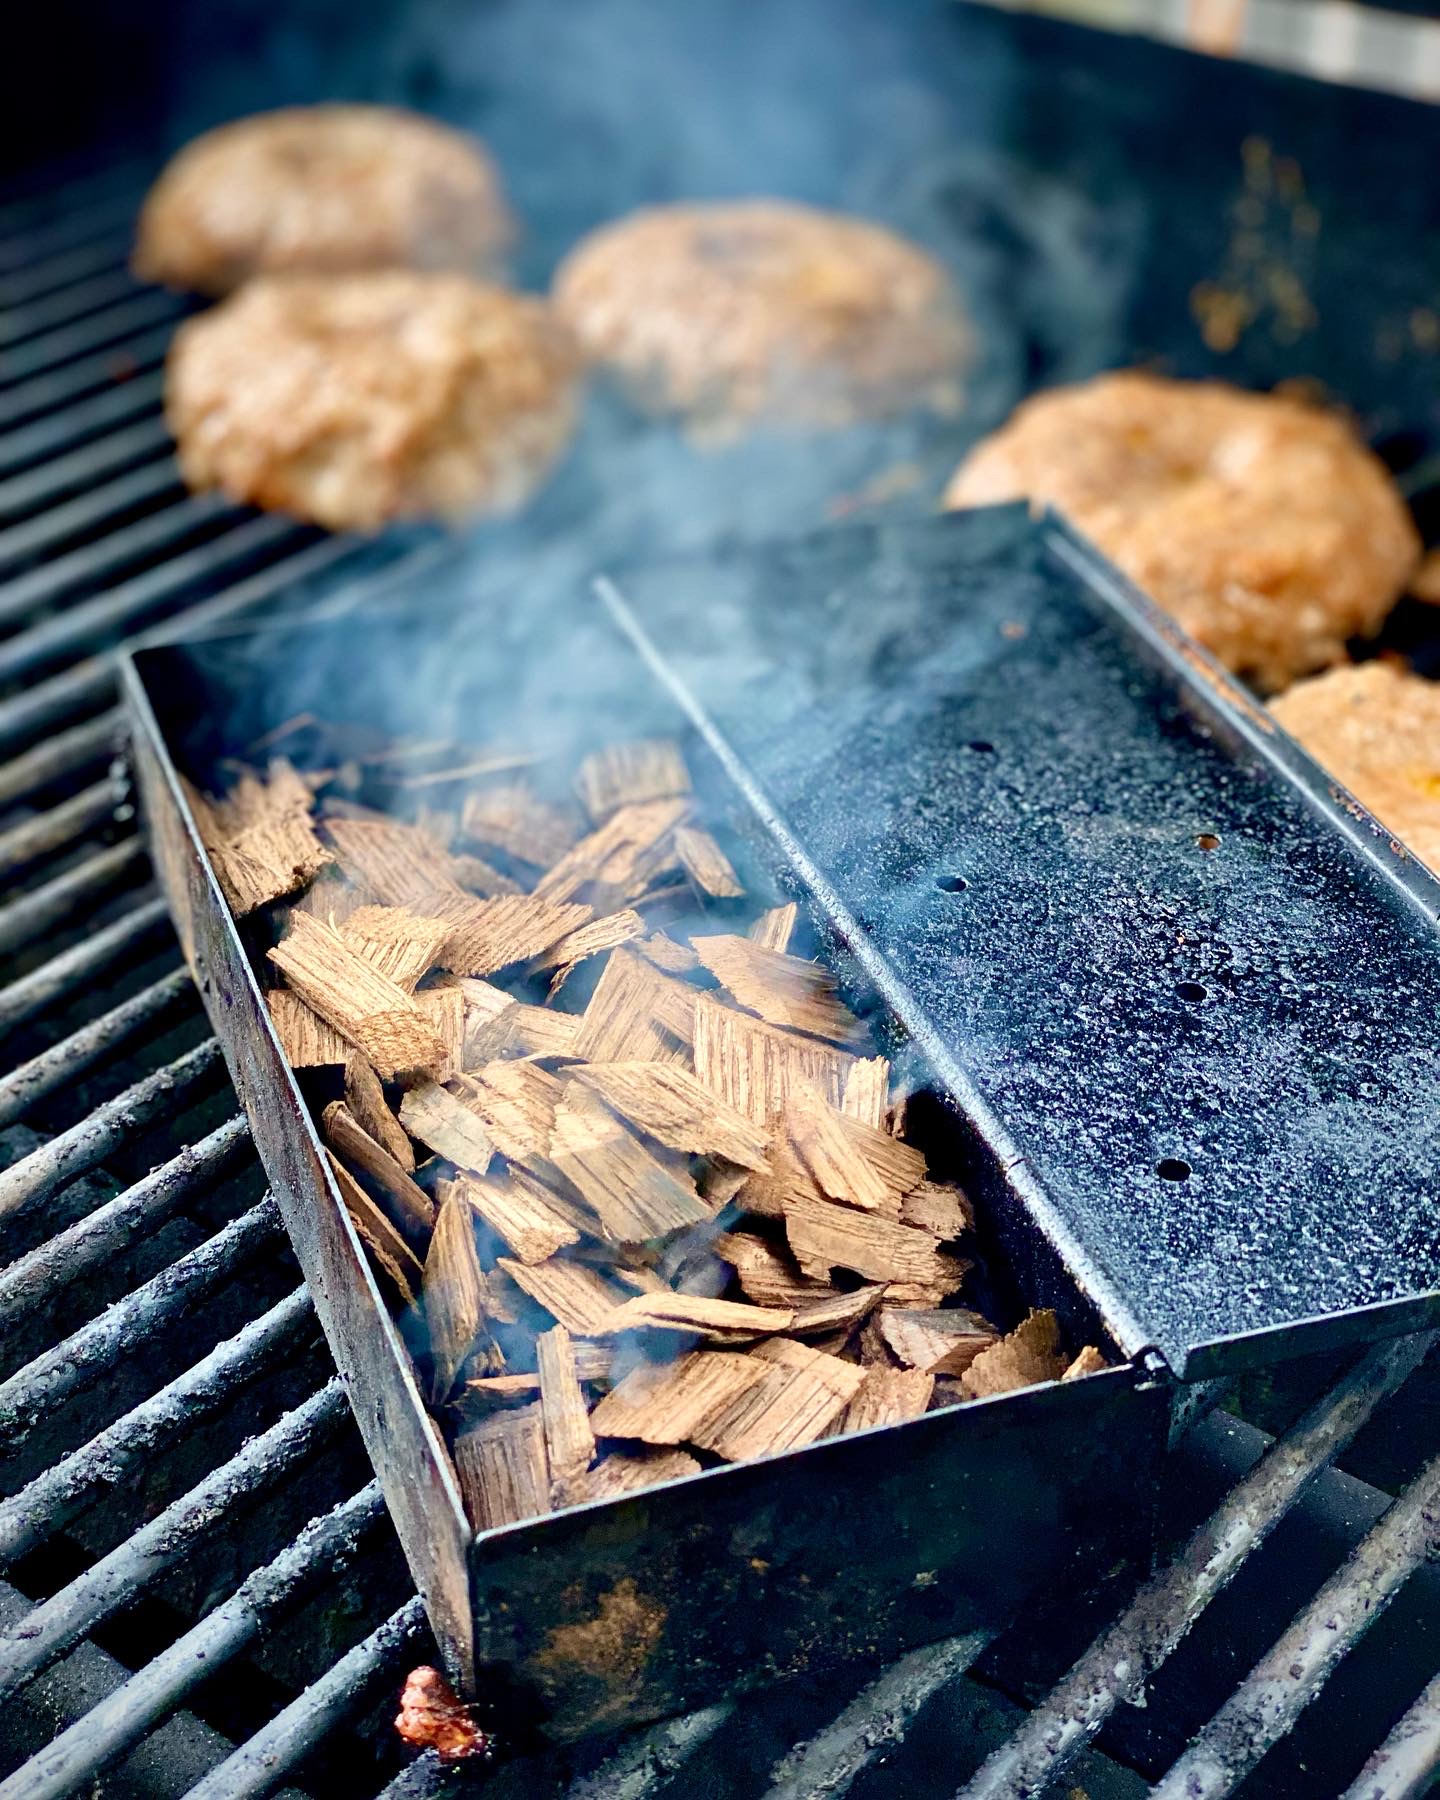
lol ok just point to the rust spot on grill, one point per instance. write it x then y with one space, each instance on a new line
608 1652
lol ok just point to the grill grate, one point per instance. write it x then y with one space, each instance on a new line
207 1598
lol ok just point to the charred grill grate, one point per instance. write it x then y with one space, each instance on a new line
201 1594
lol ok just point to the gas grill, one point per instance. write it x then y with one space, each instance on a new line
200 1592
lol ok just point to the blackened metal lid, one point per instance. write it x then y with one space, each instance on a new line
1185 986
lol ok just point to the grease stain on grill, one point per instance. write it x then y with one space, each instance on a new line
1173 1168
1192 991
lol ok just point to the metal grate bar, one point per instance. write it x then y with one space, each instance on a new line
53 1068
650 1758
68 753
85 419
1405 1764
73 301
50 1379
50 832
106 369
1282 1684
76 968
36 914
260 1765
1124 1656
82 226
87 512
88 1143
63 268
112 324
27 492
49 1503
109 1230
30 1645
75 1757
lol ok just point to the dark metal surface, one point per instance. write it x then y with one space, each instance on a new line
999 772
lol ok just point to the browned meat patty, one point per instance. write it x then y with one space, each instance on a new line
1376 729
322 188
1270 532
353 399
730 313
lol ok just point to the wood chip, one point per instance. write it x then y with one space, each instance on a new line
569 1441
502 1470
393 863
392 1254
666 954
783 990
767 1192
666 1311
1088 1362
767 1273
836 1312
940 1342
454 1299
520 1214
594 939
394 940
621 860
774 929
675 1107
1030 1353
755 1066
366 1099
627 774
331 897
260 837
802 1395
706 863
850 1160
627 1471
307 1040
487 935
826 1236
867 1091
888 1397
517 1102
406 1204
593 1362
637 1014
936 1207
513 818
435 1116
481 878
379 1018
633 1194
522 1030
444 1010
668 1403
575 1295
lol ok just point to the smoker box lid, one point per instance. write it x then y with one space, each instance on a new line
1185 984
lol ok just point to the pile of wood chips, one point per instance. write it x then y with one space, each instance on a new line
641 1189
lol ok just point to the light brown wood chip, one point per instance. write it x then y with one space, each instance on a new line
517 1102
522 1030
435 1116
575 1295
593 1362
668 1403
633 1194
1030 1353
784 990
836 1312
379 1018
605 933
519 1212
627 774
488 935
261 839
629 852
393 863
395 941
706 863
307 1040
481 878
935 1207
392 1254
826 1236
627 1471
569 1441
512 817
637 1014
666 954
666 1311
502 1470
803 1394
406 1204
941 1342
888 1397
675 1107
1088 1362
767 1273
366 1099
767 1191
850 1160
332 897
754 1066
454 1299
444 1008
774 929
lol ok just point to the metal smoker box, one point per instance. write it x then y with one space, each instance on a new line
1172 1000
